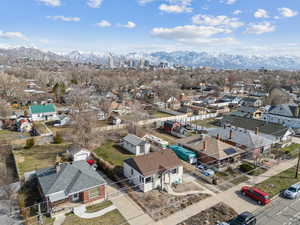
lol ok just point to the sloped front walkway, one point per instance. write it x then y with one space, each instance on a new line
80 211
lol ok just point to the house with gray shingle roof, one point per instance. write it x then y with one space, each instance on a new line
135 145
272 131
285 114
70 182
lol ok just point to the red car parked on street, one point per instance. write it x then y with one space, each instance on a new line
261 197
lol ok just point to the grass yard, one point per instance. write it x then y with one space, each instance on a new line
160 114
37 157
112 154
98 207
274 185
7 135
172 140
209 123
292 150
112 218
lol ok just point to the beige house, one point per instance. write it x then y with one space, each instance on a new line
155 170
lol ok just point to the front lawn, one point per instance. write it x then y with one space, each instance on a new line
98 207
112 218
160 114
290 151
112 153
7 135
37 157
208 123
274 185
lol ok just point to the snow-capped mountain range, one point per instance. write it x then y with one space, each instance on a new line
184 58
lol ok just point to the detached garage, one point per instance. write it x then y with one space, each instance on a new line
78 153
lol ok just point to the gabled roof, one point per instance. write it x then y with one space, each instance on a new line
273 129
243 138
249 99
247 109
154 162
218 149
68 178
285 110
36 109
134 140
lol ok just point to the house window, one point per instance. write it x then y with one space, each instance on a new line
94 193
148 180
141 179
174 171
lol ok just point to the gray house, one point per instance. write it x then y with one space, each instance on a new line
136 145
75 182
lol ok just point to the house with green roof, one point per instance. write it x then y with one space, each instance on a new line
43 112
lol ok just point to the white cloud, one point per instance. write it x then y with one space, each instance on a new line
188 32
194 35
143 2
209 41
63 18
54 3
222 21
260 28
13 35
94 3
237 12
175 8
129 25
261 13
103 23
286 12
230 2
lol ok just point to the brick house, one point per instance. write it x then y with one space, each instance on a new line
75 182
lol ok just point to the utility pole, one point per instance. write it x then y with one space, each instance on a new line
298 164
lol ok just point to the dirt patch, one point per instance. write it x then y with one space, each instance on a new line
211 216
159 204
185 187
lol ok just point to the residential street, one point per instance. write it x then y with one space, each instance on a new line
232 197
280 212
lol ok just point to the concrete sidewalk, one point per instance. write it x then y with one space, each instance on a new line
131 211
230 197
80 211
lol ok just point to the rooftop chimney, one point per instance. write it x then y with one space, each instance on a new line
230 134
204 145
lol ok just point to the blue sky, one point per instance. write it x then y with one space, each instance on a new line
120 26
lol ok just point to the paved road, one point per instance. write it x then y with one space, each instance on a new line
280 212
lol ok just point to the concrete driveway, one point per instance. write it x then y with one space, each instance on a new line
280 212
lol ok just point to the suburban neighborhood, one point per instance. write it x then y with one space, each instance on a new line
150 154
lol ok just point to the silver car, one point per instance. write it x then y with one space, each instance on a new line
292 192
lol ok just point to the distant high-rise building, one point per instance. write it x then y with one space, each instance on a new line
111 61
142 63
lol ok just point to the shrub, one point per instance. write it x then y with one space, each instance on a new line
29 143
246 167
57 139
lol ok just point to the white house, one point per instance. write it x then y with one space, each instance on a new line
78 153
43 112
136 145
287 115
155 170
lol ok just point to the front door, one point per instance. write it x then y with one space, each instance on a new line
75 197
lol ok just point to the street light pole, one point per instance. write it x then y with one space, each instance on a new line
298 164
